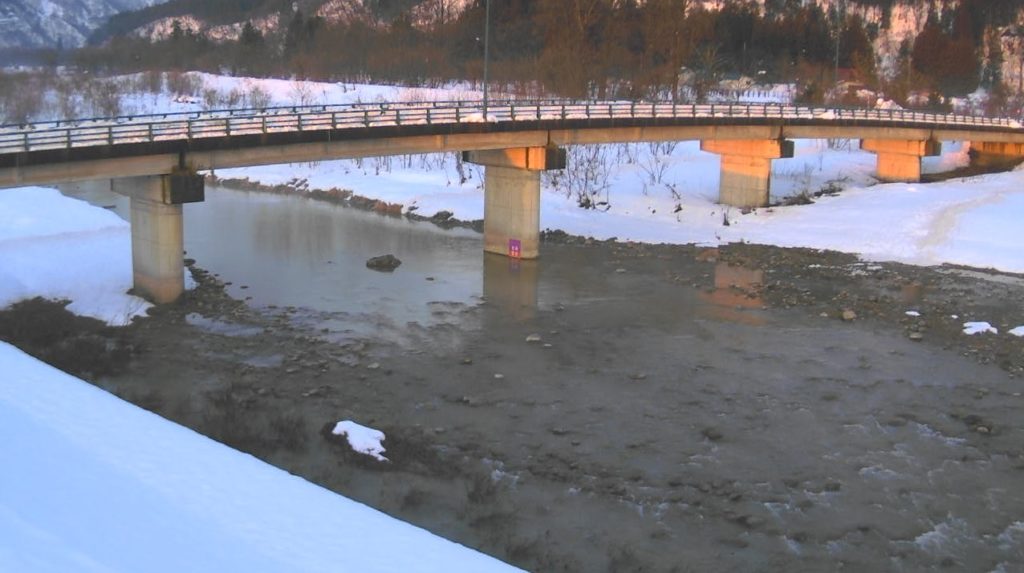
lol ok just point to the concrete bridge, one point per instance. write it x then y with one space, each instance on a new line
156 159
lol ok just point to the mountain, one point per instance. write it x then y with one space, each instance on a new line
31 24
223 19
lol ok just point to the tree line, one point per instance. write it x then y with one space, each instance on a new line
589 48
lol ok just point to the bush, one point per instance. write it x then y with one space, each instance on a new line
80 346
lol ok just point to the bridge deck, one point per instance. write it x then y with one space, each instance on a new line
95 148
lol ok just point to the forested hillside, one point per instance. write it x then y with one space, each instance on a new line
912 50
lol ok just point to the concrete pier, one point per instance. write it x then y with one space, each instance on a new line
512 197
158 269
996 154
747 168
900 160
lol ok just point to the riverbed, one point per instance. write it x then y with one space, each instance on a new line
610 406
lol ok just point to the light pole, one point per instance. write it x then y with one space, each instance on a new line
487 50
839 9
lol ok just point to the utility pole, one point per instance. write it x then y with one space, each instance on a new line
839 32
487 51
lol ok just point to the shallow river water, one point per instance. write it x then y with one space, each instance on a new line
666 414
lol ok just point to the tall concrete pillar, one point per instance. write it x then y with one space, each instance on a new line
996 154
158 268
512 197
746 172
900 160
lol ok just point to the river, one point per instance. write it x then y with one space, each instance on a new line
608 407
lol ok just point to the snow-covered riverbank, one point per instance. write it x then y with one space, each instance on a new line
92 483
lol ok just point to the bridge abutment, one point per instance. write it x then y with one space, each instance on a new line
746 172
996 154
900 160
158 268
512 197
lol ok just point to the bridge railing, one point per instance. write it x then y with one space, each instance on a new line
228 123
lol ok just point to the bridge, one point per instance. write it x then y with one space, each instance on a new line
156 159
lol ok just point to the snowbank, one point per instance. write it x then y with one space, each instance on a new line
92 483
61 248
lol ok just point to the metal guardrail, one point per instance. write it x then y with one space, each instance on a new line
187 126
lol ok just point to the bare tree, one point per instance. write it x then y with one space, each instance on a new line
707 67
655 162
586 176
669 44
258 97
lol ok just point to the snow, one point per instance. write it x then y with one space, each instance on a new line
92 483
972 328
1019 331
912 313
65 249
362 439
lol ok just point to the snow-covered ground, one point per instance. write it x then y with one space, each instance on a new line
91 483
64 249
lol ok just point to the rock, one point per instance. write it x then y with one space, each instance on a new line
849 315
384 263
712 434
467 361
750 521
499 376
373 366
620 271
916 336
533 338
441 217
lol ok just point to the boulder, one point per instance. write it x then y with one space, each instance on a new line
384 264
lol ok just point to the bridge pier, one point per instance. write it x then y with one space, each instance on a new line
900 160
158 268
746 172
995 154
512 197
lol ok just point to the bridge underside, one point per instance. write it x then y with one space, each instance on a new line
79 164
